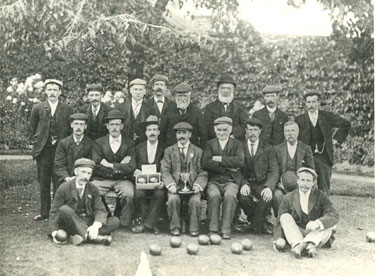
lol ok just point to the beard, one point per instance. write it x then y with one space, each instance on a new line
182 105
225 99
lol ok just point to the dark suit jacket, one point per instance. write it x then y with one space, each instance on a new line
103 112
141 155
231 162
327 121
67 152
265 166
319 207
155 110
133 128
303 154
67 194
171 166
237 112
40 124
272 131
193 116
101 149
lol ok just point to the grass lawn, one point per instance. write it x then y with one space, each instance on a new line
26 250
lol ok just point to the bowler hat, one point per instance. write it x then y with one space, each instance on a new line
137 81
94 87
79 116
151 120
226 78
311 93
254 122
183 126
84 162
289 180
159 77
114 114
182 88
58 82
223 120
271 89
306 169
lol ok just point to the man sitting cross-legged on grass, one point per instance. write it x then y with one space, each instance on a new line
78 212
306 217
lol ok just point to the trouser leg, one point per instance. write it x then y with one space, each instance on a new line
174 204
323 169
140 204
112 224
248 206
276 200
125 190
71 222
291 230
262 209
156 206
213 206
319 237
229 206
194 210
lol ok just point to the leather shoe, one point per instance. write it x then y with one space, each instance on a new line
76 239
154 229
103 239
267 230
40 218
311 251
226 236
175 232
298 250
194 233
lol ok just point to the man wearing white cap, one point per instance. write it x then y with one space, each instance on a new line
49 123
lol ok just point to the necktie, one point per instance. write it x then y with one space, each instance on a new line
182 111
182 153
252 150
272 116
80 191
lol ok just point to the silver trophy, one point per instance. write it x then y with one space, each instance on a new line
185 177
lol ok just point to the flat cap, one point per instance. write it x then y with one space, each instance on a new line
79 116
183 126
114 114
158 77
254 122
271 89
84 162
223 120
311 93
94 87
58 82
137 81
306 169
182 88
226 78
151 120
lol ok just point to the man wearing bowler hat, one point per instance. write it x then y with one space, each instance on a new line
77 211
135 111
149 203
71 148
260 176
306 217
183 111
226 106
272 118
96 111
317 130
223 158
49 123
183 159
159 100
291 155
114 156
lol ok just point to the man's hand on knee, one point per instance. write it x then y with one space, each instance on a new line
266 194
93 230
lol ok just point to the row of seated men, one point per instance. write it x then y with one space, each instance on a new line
45 144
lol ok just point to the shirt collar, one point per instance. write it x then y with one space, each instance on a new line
316 113
223 142
292 146
137 103
161 99
301 194
97 109
271 110
76 140
111 139
186 146
53 105
256 143
152 145
78 186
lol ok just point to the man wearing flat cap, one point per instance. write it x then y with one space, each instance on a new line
71 148
291 155
225 106
49 123
260 176
272 117
159 100
114 156
77 211
306 217
223 158
96 111
317 130
183 111
149 203
182 162
135 111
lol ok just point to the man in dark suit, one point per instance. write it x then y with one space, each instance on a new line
272 118
181 160
317 130
183 111
291 155
96 111
149 203
159 101
306 217
260 176
114 156
78 211
225 106
71 148
222 158
49 123
135 111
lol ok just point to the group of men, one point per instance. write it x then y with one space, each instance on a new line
234 162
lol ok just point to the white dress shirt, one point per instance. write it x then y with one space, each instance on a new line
95 111
223 143
77 141
256 143
292 149
78 187
271 111
313 117
304 201
160 104
136 107
53 107
151 151
115 143
186 147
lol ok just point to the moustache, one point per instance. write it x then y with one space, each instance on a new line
152 135
181 139
159 90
